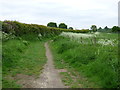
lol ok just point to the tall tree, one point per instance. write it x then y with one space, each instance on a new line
52 24
94 28
63 25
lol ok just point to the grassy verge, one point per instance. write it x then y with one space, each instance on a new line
21 57
72 78
94 65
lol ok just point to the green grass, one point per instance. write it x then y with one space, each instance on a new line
22 58
0 60
108 35
97 63
66 78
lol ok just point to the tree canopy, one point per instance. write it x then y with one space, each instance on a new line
52 24
63 25
94 28
116 29
106 28
71 28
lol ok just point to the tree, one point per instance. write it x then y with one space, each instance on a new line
94 28
106 28
116 29
71 28
99 28
62 25
52 24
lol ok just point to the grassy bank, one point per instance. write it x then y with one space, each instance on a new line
98 63
21 57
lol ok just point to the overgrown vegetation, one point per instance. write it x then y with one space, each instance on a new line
20 29
99 63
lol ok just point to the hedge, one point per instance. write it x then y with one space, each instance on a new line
20 29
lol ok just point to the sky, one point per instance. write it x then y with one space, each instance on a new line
79 14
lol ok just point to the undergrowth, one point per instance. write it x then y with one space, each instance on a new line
96 62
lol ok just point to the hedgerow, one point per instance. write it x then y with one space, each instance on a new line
20 29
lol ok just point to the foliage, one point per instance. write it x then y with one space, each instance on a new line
106 27
94 28
63 25
52 24
21 29
6 36
116 29
0 25
99 28
71 28
97 62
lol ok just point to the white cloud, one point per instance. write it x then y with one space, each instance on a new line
76 13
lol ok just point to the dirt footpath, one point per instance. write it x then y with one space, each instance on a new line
50 77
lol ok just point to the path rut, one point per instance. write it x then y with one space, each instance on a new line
50 77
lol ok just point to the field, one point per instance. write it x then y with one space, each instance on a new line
84 59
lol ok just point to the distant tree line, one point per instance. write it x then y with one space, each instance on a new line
93 27
114 29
